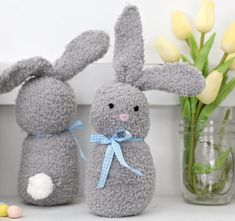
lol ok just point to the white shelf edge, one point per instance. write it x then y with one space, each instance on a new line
164 208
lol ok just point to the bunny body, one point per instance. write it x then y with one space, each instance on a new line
45 106
53 156
120 110
125 194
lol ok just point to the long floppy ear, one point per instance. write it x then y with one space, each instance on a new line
179 78
82 51
19 72
128 59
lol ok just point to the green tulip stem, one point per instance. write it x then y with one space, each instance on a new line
202 39
192 152
223 59
199 108
225 55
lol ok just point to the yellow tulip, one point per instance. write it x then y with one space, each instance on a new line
211 90
232 67
205 18
167 51
228 40
181 26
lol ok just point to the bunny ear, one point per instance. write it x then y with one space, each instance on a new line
82 51
178 78
19 72
128 57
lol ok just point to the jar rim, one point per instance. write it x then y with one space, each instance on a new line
210 127
210 122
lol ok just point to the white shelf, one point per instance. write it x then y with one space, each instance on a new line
96 75
162 208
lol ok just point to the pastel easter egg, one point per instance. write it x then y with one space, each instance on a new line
3 210
14 212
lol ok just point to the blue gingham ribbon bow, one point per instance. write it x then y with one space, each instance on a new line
76 125
113 149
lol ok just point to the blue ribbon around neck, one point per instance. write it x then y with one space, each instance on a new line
74 126
113 149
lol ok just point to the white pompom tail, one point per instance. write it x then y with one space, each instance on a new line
40 186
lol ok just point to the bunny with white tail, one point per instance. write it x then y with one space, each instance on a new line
45 106
120 176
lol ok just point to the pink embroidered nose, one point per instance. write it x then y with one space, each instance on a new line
124 117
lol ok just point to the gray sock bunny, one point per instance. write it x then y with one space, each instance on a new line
120 176
44 107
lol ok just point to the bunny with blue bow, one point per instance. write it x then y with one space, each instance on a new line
45 106
120 176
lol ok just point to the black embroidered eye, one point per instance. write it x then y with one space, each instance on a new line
111 106
136 108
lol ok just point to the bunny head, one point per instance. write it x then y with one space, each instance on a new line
122 104
46 102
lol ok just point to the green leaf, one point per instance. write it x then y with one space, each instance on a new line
193 102
225 78
185 59
186 110
223 68
205 70
200 126
200 168
182 100
209 109
223 93
193 47
222 158
204 52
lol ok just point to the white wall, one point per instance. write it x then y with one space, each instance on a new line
42 27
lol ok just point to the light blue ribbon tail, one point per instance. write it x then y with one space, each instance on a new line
118 152
77 125
82 155
113 149
106 167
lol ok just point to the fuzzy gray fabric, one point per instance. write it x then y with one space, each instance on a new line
124 97
44 108
45 105
57 157
126 194
179 78
19 72
128 67
83 50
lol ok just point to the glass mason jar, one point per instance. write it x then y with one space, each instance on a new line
207 162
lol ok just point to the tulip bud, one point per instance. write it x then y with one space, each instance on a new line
228 40
232 67
181 26
167 51
205 18
211 90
